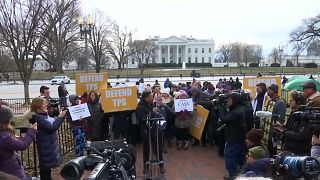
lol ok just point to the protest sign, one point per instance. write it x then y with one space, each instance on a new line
183 104
119 99
251 82
91 81
79 111
199 122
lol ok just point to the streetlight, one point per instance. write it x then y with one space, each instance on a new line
85 30
280 55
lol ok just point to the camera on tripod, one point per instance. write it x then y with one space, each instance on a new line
289 166
109 160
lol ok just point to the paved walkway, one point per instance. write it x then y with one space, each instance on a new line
196 163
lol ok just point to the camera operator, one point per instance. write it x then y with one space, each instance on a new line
45 92
144 109
295 136
311 93
259 102
235 133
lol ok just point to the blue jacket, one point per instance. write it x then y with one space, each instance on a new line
259 168
47 141
10 161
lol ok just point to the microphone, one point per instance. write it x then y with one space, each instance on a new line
264 114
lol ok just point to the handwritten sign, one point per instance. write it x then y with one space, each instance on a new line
199 122
119 99
251 82
78 112
183 104
91 81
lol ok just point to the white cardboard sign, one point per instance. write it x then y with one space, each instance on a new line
183 104
79 111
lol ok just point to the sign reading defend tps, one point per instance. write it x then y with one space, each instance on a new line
119 99
91 81
251 82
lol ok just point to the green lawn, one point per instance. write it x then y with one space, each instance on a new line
152 72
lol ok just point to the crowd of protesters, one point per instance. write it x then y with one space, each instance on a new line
244 139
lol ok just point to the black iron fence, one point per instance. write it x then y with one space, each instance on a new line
29 157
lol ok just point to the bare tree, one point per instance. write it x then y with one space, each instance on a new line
275 55
257 53
118 44
308 32
57 46
99 39
224 53
142 52
297 47
23 31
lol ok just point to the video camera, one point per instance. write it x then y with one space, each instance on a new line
311 117
53 107
111 160
289 166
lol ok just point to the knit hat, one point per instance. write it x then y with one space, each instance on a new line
6 114
73 98
257 152
183 93
274 88
255 136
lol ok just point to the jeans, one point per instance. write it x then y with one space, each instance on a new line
234 156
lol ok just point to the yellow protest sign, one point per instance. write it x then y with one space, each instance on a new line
91 81
119 99
251 82
199 122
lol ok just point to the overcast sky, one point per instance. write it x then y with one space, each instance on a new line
265 22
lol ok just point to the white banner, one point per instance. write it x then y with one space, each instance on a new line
79 112
183 104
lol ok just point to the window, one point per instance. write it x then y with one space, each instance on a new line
162 50
210 60
179 60
171 61
189 50
163 60
209 50
42 64
195 50
189 59
132 61
202 59
196 60
179 50
202 50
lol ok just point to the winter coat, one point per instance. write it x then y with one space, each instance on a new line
10 161
47 141
94 121
297 138
235 124
62 91
314 100
144 109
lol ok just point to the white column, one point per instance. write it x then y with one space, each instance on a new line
168 54
159 54
185 54
177 60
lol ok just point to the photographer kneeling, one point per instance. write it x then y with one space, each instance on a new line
234 121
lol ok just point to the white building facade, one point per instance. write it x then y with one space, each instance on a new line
178 50
286 59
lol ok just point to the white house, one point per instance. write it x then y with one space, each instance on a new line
178 50
40 65
302 59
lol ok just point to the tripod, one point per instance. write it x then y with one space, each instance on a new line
154 162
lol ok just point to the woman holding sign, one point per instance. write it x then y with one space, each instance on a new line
94 127
77 127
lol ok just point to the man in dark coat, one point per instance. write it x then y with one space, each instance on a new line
235 133
144 110
63 93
